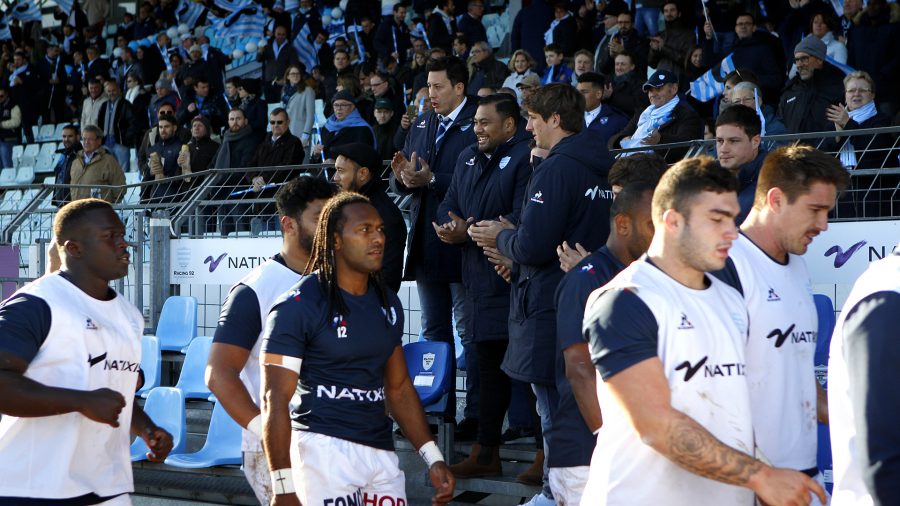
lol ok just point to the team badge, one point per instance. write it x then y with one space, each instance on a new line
465 127
427 361
90 325
685 323
504 162
340 324
471 162
538 197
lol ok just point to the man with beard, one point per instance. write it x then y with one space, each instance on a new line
358 169
233 373
669 48
817 85
71 140
626 94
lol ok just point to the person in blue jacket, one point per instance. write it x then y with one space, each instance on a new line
489 182
738 150
603 118
423 170
568 199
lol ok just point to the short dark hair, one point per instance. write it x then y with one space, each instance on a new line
794 169
238 109
745 14
560 99
293 197
630 197
168 117
454 67
743 117
234 81
637 167
741 75
397 6
279 111
627 54
72 127
201 79
71 215
461 39
506 105
553 48
94 80
688 178
594 78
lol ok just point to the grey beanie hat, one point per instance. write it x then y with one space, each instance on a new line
812 46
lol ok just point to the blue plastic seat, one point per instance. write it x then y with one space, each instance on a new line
165 406
458 349
150 364
825 313
191 381
222 447
430 366
177 323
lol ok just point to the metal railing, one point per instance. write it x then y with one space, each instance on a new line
875 177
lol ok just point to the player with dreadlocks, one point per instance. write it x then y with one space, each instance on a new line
345 330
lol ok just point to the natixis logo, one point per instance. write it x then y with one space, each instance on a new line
214 262
840 256
183 256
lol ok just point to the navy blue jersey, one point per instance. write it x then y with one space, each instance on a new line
25 321
573 442
341 386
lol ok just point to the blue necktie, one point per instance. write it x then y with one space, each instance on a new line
442 129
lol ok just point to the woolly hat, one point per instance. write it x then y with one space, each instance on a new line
812 46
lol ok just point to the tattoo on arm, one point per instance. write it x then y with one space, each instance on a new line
692 447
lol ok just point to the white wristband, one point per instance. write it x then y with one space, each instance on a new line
430 453
282 482
255 425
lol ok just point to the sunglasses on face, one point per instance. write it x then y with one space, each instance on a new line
276 122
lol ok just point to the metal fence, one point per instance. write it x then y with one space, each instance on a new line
224 203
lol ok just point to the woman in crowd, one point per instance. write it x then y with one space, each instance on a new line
299 101
520 66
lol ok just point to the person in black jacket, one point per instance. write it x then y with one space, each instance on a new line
358 169
254 108
568 199
442 25
202 103
487 71
392 37
280 148
276 56
562 29
386 125
237 150
25 82
120 127
470 23
423 170
489 181
817 85
754 49
627 94
165 163
201 149
662 122
343 127
71 140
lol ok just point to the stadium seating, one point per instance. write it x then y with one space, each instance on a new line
151 359
191 381
17 151
165 406
8 176
57 134
430 366
222 447
25 160
177 324
46 133
25 175
32 150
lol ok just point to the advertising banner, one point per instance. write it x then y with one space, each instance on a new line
219 261
843 252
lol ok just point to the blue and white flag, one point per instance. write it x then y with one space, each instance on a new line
306 52
248 21
360 48
5 34
65 5
25 10
189 12
291 5
232 5
846 69
708 86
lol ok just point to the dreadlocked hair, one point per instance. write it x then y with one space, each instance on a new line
322 261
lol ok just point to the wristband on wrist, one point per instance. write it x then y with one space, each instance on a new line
282 482
255 425
430 453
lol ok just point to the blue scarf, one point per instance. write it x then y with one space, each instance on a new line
864 113
287 92
352 120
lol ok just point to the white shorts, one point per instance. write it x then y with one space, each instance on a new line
567 484
328 471
119 500
256 469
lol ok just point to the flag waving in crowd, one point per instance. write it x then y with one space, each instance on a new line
189 12
248 21
25 10
305 49
708 86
